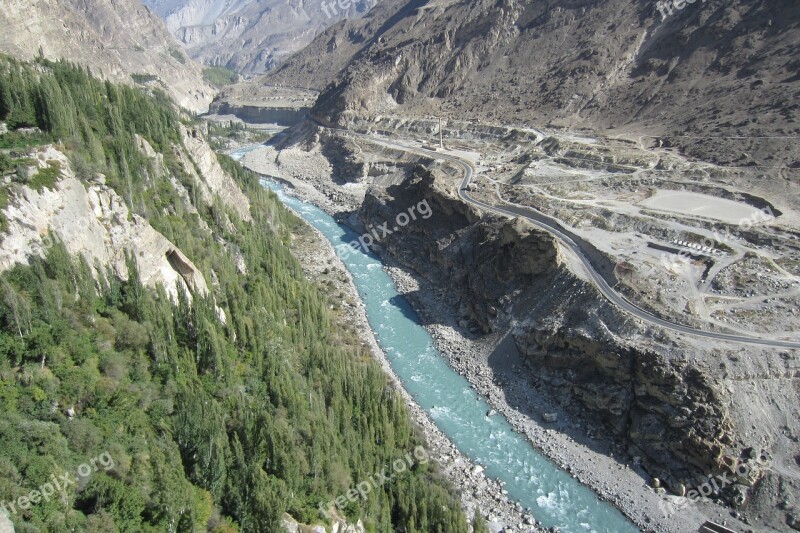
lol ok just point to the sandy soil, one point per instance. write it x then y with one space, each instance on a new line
692 203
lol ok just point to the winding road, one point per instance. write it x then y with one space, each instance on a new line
569 240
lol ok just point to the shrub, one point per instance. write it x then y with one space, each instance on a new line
142 79
46 177
178 55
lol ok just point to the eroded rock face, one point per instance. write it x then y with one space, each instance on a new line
505 273
93 221
339 525
211 179
245 36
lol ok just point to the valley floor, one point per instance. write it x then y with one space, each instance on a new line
324 268
492 368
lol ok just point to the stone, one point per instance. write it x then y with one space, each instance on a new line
550 417
678 489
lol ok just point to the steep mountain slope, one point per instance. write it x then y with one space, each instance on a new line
115 38
702 75
249 36
153 321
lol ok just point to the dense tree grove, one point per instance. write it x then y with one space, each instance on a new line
212 425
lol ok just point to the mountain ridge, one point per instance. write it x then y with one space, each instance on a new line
719 70
245 36
117 39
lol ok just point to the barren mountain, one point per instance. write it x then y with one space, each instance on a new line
117 39
249 36
700 78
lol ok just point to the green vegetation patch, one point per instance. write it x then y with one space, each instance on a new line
220 135
7 164
46 177
143 79
16 140
212 425
178 55
220 76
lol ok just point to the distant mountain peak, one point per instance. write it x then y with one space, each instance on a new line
250 36
118 39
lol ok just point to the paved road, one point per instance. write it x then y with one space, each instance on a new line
552 227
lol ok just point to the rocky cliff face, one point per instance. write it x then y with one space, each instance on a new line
115 38
706 77
93 221
245 36
201 163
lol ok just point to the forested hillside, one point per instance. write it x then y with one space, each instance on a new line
212 424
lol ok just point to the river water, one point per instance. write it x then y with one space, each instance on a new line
555 498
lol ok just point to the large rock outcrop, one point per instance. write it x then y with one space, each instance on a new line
92 220
200 162
507 274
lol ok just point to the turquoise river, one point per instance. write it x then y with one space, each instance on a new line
555 498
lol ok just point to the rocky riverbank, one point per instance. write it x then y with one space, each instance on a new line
572 442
